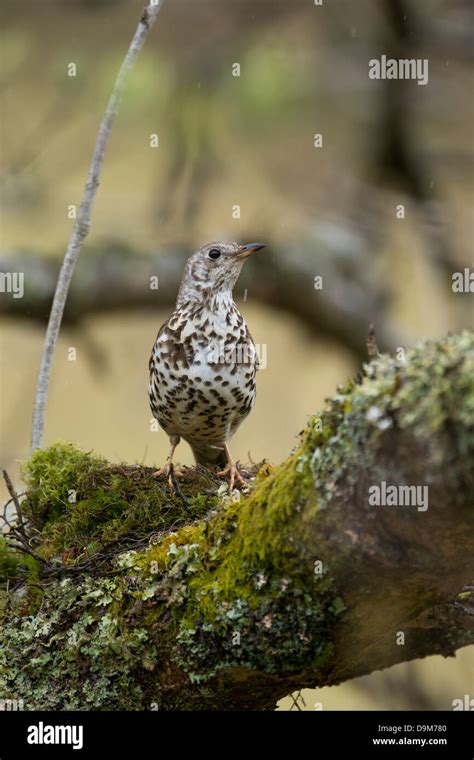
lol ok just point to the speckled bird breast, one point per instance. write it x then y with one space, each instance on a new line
202 373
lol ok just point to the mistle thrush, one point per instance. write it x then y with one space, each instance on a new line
204 362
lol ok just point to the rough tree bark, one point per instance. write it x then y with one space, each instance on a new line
146 599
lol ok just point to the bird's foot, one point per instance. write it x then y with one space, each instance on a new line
234 476
170 473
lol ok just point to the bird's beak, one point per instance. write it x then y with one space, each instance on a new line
246 250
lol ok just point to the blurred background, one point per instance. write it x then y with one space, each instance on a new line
327 206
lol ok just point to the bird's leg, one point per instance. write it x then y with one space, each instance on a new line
232 471
168 469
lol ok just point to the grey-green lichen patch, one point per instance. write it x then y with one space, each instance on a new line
426 393
288 629
207 584
80 651
243 593
206 596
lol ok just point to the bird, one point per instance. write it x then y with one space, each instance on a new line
204 362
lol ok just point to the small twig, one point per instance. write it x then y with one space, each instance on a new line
4 517
23 546
296 700
15 498
372 348
82 225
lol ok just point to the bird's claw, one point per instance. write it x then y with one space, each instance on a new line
234 475
170 474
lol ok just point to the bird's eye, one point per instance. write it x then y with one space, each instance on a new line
214 253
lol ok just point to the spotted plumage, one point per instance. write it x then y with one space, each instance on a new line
203 363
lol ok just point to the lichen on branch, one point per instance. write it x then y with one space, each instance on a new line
196 600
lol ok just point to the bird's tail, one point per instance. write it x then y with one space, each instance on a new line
209 455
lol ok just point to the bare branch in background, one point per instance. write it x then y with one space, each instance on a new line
82 225
114 279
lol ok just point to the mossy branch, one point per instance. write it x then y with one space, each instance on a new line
208 602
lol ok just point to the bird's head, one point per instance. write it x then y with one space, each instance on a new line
214 269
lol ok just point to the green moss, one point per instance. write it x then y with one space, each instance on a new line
261 540
159 558
83 505
9 562
53 476
18 568
419 396
203 583
242 594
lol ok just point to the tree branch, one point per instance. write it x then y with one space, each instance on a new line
115 279
303 582
82 224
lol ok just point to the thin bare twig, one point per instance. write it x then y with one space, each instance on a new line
372 348
14 496
23 546
82 224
